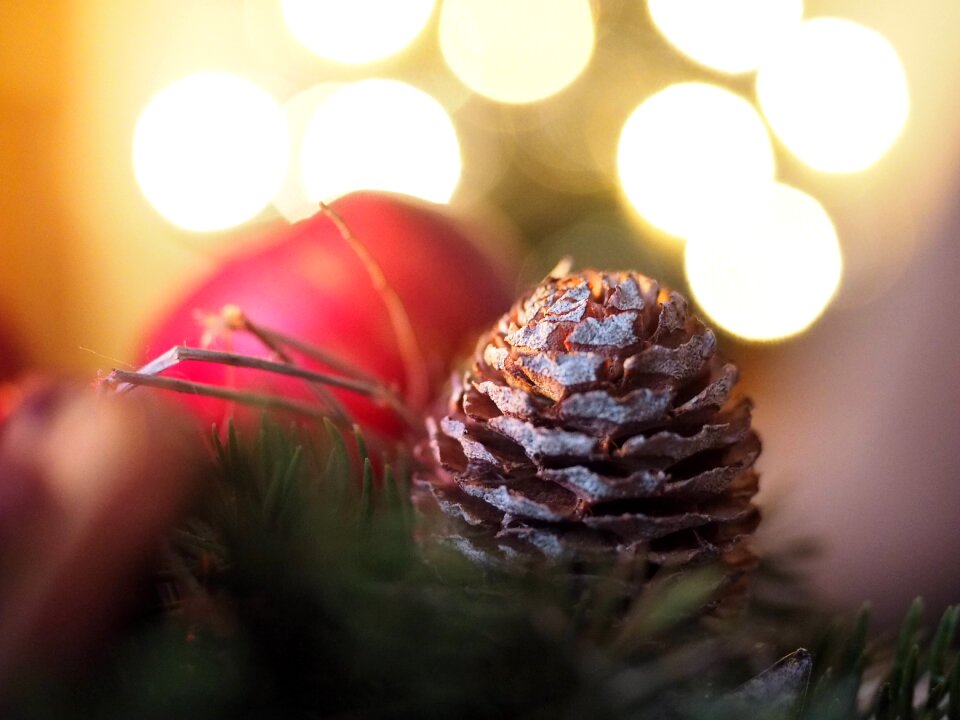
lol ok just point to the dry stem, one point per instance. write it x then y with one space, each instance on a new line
147 375
418 386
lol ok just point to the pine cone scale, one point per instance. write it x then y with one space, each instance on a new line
681 363
731 428
594 488
639 527
527 499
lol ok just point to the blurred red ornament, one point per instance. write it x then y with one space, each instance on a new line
88 486
306 281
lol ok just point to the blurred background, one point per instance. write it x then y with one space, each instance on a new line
792 165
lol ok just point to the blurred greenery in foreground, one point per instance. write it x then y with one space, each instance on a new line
299 589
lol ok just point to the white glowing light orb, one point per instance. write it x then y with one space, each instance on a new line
771 274
210 150
380 135
692 153
732 36
835 93
517 51
356 31
291 199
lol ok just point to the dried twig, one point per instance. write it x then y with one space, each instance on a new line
235 319
126 380
418 385
146 375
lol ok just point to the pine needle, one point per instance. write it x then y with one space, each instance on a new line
366 492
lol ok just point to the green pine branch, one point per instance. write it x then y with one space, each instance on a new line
302 585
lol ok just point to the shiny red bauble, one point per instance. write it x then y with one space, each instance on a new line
306 281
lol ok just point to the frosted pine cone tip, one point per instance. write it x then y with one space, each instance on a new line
597 419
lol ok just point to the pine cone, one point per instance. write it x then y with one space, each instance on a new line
597 419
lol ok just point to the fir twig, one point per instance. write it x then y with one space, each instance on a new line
301 592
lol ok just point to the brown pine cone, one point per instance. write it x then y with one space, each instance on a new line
597 420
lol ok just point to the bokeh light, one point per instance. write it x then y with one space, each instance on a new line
380 135
356 31
732 36
517 52
291 199
210 150
835 93
691 154
772 273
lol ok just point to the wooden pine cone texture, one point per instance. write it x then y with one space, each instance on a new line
597 419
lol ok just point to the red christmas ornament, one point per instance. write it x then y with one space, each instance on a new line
309 283
88 486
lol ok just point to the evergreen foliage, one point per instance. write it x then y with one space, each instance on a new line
298 589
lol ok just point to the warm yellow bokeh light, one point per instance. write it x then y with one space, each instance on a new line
772 273
516 51
291 199
210 151
732 36
835 93
355 31
380 135
691 154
